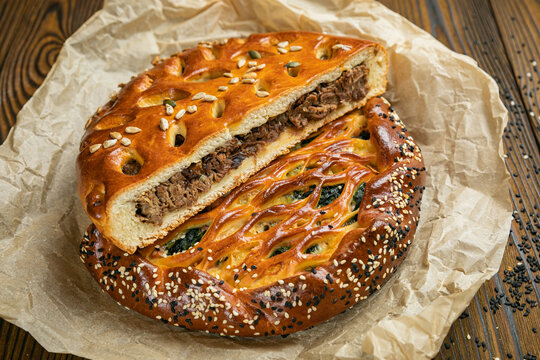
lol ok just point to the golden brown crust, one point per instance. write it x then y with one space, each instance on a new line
179 288
180 77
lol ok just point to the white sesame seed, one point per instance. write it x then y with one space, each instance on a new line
282 50
228 74
115 135
302 277
94 148
261 93
179 114
234 80
248 81
109 143
260 66
250 75
169 109
125 142
342 47
295 48
252 63
241 63
191 109
281 282
209 98
163 124
283 44
198 95
132 130
223 88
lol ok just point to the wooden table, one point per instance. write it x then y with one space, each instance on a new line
503 320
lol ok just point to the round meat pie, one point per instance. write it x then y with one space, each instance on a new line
197 124
304 239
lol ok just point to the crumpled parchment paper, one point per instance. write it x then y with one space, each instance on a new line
450 106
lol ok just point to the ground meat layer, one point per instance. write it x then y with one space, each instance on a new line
184 187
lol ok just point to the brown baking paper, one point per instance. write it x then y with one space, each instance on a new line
450 106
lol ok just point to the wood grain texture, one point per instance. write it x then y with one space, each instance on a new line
503 36
32 34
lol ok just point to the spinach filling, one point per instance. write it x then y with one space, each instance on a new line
185 241
329 194
358 195
302 194
280 250
351 220
313 249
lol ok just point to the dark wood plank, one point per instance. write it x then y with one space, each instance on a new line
518 22
503 37
32 34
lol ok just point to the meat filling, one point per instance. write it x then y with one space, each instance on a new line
184 187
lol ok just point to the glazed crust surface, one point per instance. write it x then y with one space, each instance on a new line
203 69
306 238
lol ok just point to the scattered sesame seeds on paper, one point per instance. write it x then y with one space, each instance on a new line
449 105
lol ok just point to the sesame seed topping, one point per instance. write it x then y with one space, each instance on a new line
261 93
115 135
241 63
228 75
179 114
198 95
292 64
248 81
191 109
209 98
88 122
169 109
342 47
234 80
109 143
125 142
132 130
283 44
252 63
254 54
223 88
260 66
163 124
282 50
94 148
295 48
250 75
